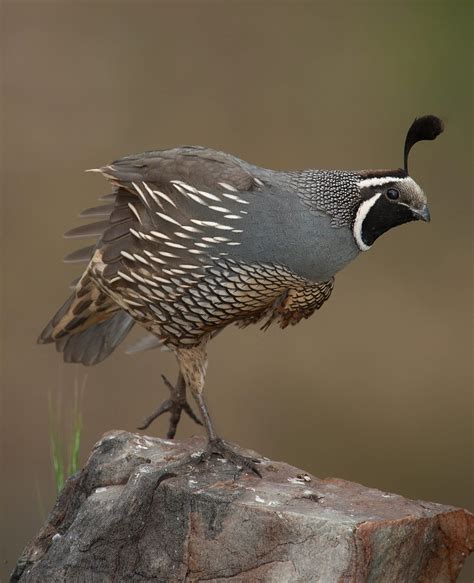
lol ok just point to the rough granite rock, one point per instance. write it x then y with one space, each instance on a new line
126 517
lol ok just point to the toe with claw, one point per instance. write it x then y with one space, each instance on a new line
218 447
175 405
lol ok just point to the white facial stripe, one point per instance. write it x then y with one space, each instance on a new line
381 180
362 212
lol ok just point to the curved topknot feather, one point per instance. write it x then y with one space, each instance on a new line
427 127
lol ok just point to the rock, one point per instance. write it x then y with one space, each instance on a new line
131 515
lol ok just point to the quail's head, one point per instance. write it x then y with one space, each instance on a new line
391 197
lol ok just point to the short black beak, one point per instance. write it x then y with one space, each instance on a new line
422 214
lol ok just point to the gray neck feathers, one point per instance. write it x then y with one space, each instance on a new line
333 192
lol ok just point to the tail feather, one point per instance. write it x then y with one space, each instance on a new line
88 326
94 344
146 342
85 307
47 335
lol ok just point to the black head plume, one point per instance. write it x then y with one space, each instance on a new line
427 127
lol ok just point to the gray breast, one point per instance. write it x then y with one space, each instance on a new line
279 228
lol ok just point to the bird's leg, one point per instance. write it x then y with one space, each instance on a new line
175 405
193 364
217 446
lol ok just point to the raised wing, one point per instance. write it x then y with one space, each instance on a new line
178 205
201 167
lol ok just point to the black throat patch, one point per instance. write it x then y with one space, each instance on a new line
384 215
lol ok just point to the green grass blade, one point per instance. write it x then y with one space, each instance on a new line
64 466
75 443
55 444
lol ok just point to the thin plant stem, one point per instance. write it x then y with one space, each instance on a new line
64 466
75 443
55 443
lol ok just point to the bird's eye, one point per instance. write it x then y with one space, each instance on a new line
392 194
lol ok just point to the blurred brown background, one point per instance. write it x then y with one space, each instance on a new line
374 388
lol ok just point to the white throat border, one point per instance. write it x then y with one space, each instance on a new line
362 213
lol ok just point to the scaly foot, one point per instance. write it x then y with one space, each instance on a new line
174 405
220 448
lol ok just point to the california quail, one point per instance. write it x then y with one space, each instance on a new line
192 240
